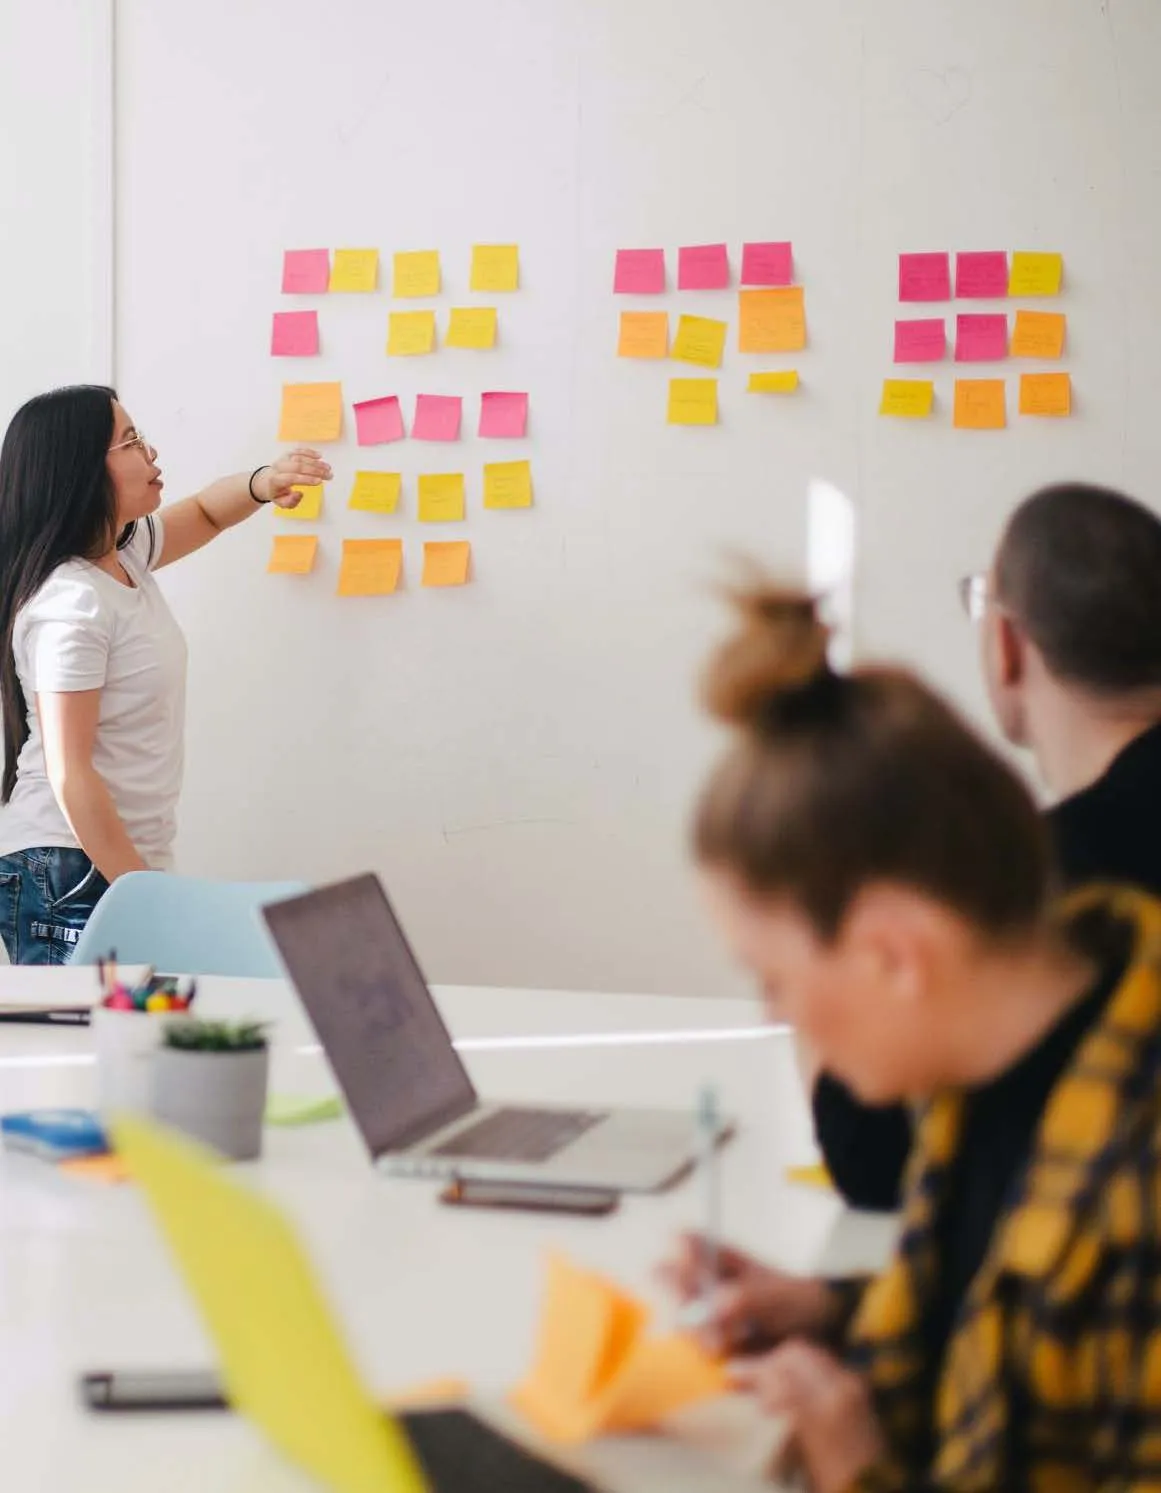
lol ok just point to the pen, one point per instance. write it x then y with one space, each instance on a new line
66 1017
708 1124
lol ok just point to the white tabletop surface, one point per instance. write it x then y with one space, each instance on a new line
423 1291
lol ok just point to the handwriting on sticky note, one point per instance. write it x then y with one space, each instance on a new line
508 484
639 272
437 417
306 271
1036 274
921 341
907 398
378 421
293 554
980 404
370 567
309 505
701 340
416 273
981 276
376 492
410 333
311 412
1038 334
503 416
441 497
495 267
446 562
767 264
772 321
471 327
981 339
693 401
924 277
703 267
779 382
644 334
295 334
355 269
1045 394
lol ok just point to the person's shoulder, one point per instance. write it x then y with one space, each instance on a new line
71 593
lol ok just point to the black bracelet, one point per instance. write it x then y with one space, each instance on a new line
254 474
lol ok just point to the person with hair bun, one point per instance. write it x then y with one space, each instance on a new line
888 881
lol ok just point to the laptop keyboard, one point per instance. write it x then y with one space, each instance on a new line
528 1135
460 1454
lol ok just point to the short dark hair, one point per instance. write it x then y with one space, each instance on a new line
1079 567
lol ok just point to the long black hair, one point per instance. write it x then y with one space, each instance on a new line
56 504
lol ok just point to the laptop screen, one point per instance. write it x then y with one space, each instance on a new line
355 973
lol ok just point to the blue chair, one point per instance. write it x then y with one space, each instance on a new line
185 925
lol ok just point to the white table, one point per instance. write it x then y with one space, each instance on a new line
423 1291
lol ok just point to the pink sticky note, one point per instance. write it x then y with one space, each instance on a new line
978 277
295 334
925 277
504 416
378 421
437 417
306 271
922 341
767 264
639 272
981 339
703 267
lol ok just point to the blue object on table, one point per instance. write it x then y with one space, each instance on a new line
54 1134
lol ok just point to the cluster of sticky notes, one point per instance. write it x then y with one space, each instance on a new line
983 275
702 267
438 417
980 403
413 333
982 337
597 1370
374 567
441 499
415 273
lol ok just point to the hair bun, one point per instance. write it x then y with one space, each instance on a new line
778 650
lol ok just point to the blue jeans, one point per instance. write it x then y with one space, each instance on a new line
46 898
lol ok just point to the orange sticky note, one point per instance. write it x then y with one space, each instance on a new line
979 404
355 269
446 562
293 554
108 1168
508 484
370 567
311 412
772 321
644 334
441 497
1045 394
1038 334
658 1377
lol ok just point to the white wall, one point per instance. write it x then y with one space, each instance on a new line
518 758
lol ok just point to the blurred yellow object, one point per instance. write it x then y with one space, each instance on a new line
813 1175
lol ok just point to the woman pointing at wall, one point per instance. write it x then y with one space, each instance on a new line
92 662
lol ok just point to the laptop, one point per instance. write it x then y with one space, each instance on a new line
405 1086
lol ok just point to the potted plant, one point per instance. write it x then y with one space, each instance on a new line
210 1082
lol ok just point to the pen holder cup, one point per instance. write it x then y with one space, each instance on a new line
127 1043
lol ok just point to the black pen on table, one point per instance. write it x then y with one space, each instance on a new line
65 1016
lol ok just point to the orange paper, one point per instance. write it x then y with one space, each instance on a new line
772 321
446 562
644 334
370 567
108 1168
979 404
311 412
1045 394
1038 334
293 554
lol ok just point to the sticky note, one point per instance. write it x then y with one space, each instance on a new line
378 421
308 507
107 1168
924 277
410 333
907 398
376 492
703 267
1036 274
1038 334
979 404
639 272
311 412
306 271
472 327
416 273
813 1174
693 401
767 264
293 554
495 267
644 334
441 497
773 383
446 563
355 269
1045 394
981 339
503 416
981 276
295 334
771 321
700 340
508 484
922 341
437 417
370 567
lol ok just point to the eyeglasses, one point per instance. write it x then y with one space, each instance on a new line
973 594
138 440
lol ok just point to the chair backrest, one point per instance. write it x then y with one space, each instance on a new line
185 925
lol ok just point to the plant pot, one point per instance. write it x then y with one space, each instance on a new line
216 1097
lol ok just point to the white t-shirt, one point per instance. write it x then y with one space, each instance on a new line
84 630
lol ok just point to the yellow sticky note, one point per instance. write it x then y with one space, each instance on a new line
908 398
772 321
700 339
376 492
1038 334
410 333
416 273
814 1174
693 401
293 554
441 497
370 567
472 326
980 404
1045 394
1035 274
773 383
308 507
508 484
644 334
311 412
446 563
495 267
355 269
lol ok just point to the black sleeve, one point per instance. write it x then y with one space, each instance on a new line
865 1147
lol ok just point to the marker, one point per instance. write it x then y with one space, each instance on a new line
699 1312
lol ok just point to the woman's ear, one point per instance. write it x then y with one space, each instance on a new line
893 936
